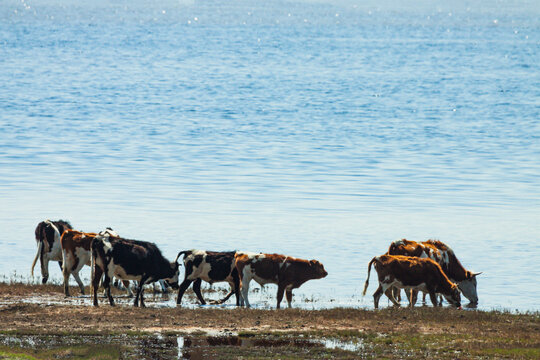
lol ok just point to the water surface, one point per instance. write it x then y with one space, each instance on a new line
316 129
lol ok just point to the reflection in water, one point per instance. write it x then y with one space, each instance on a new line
160 346
197 347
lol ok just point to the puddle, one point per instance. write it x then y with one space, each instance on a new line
197 347
159 346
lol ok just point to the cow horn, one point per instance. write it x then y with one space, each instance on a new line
474 274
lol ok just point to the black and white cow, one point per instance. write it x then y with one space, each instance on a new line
48 235
129 260
212 267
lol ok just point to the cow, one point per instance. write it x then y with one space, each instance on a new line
411 273
49 249
444 256
285 271
211 267
76 253
129 260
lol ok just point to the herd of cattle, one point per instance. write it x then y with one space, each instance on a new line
430 267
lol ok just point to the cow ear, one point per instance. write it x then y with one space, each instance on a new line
312 262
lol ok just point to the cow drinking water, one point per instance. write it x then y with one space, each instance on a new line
411 273
444 256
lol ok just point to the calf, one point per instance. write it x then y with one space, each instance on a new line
49 249
444 256
211 267
76 253
129 260
285 271
405 272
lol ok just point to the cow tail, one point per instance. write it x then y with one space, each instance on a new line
93 254
187 252
40 246
368 273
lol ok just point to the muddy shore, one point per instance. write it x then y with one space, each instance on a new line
424 332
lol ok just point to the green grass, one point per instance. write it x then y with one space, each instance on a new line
15 355
81 352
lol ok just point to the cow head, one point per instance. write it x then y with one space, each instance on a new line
109 232
455 297
318 269
173 280
468 287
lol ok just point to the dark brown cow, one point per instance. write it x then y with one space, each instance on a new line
414 273
285 271
48 235
444 256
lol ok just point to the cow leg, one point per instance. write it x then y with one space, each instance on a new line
377 295
183 286
245 290
197 290
96 277
389 292
126 285
280 292
61 266
141 296
236 289
433 297
65 273
424 297
140 286
79 282
288 293
44 268
397 293
107 285
413 296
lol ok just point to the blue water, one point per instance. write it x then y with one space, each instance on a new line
318 129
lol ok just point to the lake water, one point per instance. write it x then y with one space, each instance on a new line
317 129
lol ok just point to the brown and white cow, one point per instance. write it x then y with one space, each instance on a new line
285 271
48 235
444 256
76 253
212 267
411 273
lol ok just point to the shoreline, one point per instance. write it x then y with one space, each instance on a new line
389 332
